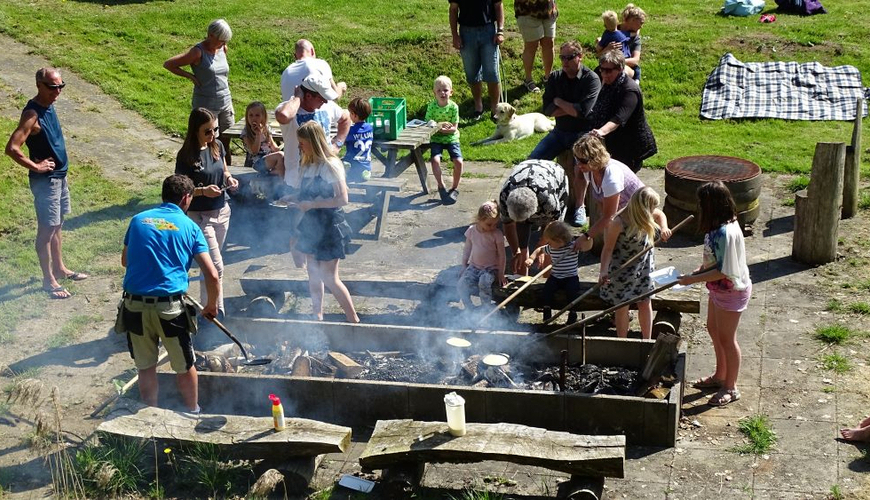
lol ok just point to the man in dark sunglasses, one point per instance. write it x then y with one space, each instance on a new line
569 96
46 160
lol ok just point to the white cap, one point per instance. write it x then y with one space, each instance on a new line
453 399
317 82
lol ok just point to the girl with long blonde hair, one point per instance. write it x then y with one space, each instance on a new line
625 236
323 233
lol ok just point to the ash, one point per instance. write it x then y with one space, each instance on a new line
408 367
589 379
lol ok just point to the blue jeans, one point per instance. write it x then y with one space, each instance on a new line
479 53
553 144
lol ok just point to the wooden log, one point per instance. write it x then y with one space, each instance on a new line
297 472
347 367
581 488
661 357
236 437
404 441
817 212
852 166
666 321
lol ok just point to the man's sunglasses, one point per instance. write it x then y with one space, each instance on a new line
568 57
53 86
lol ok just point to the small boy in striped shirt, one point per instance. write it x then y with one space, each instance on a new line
558 244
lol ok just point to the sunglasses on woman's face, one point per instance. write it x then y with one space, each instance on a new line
211 131
581 160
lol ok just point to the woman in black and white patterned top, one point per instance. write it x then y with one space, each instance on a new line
535 194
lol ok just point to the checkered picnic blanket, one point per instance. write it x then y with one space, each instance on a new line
785 90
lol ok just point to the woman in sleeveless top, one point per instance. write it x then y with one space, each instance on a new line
209 74
323 233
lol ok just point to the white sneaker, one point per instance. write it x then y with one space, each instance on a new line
579 217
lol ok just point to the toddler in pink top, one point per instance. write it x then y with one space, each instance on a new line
483 258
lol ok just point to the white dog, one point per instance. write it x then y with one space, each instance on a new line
510 126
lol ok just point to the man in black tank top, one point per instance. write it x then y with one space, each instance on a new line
39 129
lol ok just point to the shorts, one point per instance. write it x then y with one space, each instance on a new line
149 322
258 163
453 150
479 53
51 199
731 300
226 116
533 29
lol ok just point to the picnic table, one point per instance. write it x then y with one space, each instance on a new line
414 140
396 154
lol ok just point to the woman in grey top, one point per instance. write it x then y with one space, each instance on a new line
211 89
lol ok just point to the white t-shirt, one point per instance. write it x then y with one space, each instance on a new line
294 74
332 174
328 114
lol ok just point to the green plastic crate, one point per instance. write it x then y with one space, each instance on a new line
389 116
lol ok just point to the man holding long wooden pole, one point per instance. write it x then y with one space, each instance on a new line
159 247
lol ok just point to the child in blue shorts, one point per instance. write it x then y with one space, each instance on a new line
445 113
358 155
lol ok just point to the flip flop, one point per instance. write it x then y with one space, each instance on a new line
724 397
77 276
56 293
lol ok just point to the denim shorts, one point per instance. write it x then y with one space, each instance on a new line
51 199
452 149
479 53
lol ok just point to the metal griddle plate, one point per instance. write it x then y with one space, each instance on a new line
713 168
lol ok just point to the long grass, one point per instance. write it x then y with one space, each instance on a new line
398 48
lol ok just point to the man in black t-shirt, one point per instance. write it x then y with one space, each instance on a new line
478 30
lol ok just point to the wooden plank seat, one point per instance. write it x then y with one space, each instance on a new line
406 445
684 301
236 437
373 281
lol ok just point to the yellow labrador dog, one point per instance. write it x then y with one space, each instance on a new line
510 126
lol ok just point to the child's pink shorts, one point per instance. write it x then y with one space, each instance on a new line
731 300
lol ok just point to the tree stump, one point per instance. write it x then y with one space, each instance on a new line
817 209
852 167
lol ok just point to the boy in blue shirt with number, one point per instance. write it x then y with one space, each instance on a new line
358 156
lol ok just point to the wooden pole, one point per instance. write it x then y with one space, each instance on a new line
125 388
515 294
852 166
817 209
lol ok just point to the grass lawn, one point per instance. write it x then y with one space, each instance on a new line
398 48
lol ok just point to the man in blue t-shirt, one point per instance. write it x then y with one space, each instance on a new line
40 130
159 247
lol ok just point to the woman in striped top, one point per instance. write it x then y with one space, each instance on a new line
558 245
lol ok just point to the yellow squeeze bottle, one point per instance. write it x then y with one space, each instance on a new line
277 412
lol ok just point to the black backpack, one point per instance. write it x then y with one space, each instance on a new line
802 7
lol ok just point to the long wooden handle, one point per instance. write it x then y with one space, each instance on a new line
124 388
621 268
626 303
515 294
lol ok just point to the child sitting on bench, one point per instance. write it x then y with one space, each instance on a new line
262 152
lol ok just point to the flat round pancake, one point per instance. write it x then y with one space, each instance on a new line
458 342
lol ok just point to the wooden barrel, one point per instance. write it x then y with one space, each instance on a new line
683 177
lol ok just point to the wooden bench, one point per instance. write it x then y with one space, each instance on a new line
402 448
293 451
378 191
413 139
370 281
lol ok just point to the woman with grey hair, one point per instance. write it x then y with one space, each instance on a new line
618 116
535 193
209 73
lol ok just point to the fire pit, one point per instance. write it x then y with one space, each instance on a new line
532 379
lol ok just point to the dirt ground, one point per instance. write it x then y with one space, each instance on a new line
782 373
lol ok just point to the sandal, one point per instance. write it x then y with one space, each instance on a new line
707 383
76 276
57 292
530 86
724 397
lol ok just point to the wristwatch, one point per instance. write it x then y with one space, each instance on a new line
338 143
